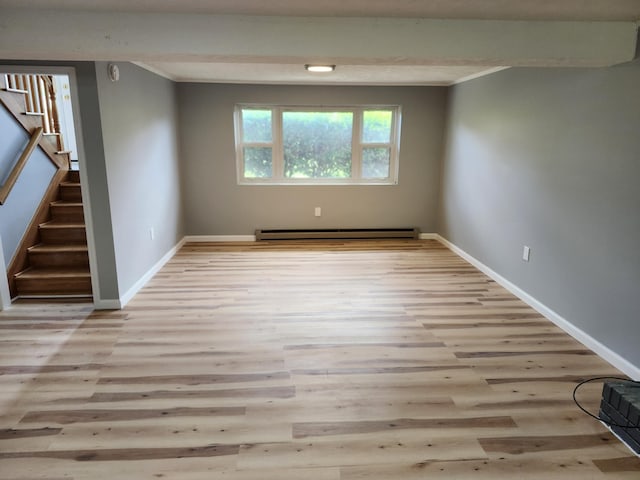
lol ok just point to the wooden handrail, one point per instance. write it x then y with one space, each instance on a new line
17 168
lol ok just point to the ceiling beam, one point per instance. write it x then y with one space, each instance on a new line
72 35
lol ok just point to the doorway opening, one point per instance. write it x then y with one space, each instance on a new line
47 246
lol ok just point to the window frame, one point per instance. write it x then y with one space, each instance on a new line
357 145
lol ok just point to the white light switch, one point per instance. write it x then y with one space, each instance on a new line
318 212
526 251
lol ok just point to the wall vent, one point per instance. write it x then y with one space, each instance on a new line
337 233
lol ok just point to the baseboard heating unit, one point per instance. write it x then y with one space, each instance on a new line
337 233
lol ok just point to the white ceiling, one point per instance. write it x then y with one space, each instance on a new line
271 59
295 74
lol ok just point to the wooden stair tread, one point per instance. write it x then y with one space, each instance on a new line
51 281
49 273
63 231
66 211
66 203
56 224
49 248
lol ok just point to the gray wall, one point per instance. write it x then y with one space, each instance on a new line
139 131
94 163
21 204
216 205
549 158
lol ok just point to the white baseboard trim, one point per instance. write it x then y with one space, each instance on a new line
429 236
126 298
587 340
219 238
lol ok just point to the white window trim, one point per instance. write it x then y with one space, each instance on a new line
356 149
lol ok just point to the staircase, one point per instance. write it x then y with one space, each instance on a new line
59 263
53 260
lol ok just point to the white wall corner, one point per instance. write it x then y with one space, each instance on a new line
622 364
155 71
126 298
483 73
219 238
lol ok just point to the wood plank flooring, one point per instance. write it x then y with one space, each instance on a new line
386 360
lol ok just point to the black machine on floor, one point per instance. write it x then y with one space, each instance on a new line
620 410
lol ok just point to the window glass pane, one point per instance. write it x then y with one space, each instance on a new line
256 126
376 126
317 144
257 162
375 162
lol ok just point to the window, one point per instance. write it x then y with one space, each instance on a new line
317 145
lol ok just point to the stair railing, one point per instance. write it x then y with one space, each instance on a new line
40 99
17 168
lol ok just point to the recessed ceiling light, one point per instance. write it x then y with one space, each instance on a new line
320 68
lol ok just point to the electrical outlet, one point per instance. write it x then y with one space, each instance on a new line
526 253
318 212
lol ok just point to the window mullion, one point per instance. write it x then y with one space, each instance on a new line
239 143
394 147
278 154
356 145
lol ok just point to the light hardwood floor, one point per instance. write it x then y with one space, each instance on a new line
307 361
